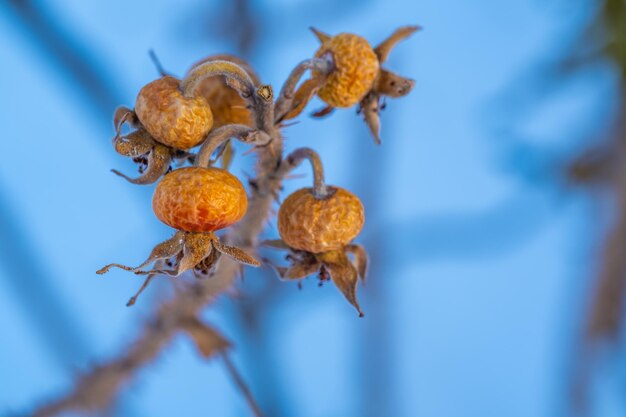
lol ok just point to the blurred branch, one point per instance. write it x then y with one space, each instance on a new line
31 283
73 60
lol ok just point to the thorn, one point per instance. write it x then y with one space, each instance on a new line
157 63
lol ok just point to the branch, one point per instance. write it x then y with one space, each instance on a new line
99 387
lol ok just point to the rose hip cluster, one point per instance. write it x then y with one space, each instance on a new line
181 128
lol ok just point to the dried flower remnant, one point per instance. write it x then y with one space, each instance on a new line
318 225
359 77
154 158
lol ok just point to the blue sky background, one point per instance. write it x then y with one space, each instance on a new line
481 261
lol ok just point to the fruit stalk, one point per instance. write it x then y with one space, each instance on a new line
320 191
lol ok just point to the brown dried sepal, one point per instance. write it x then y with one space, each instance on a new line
344 273
172 119
186 251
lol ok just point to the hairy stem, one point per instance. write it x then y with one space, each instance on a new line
320 191
218 136
237 77
322 67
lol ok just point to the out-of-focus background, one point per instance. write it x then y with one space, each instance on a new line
495 211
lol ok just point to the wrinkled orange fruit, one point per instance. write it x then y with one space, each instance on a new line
226 103
195 199
356 68
319 225
171 118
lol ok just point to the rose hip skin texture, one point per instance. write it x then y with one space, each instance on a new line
226 103
195 199
356 68
312 225
172 119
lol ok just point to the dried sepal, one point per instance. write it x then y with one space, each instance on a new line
134 144
124 115
302 96
384 48
392 85
323 112
343 274
207 266
164 250
300 270
159 159
131 302
208 340
321 36
370 107
234 252
226 155
361 259
197 246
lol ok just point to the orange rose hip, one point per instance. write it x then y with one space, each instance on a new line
171 118
196 199
356 68
319 225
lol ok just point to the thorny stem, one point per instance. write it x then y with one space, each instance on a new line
218 136
322 66
241 384
320 191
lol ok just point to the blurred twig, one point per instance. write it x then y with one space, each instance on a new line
32 285
73 60
241 384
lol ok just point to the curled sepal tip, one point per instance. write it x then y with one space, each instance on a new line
159 159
